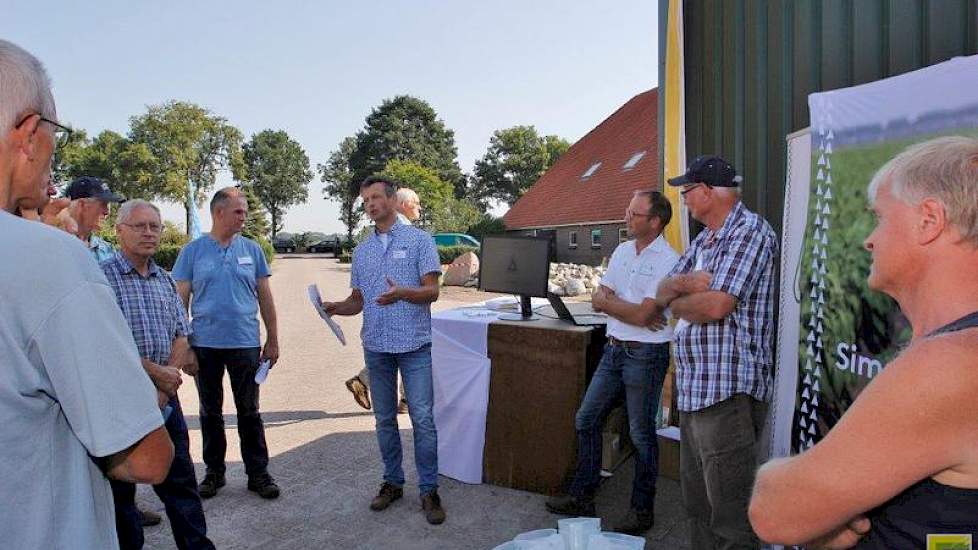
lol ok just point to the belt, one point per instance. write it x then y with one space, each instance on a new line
625 343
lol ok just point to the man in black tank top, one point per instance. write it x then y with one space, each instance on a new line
900 468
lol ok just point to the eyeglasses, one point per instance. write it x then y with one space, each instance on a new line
144 227
62 133
688 189
632 214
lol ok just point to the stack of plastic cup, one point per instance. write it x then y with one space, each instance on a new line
577 531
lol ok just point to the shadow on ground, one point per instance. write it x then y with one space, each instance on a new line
327 485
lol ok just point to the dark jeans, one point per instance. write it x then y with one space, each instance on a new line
241 365
718 462
178 492
638 373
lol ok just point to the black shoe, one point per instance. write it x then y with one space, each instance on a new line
212 482
149 519
635 523
264 485
388 494
431 504
571 506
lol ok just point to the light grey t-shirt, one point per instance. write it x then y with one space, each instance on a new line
71 386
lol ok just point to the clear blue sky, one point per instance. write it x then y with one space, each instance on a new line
316 69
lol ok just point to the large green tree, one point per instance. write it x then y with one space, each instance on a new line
340 185
277 169
189 145
127 167
514 161
406 128
256 226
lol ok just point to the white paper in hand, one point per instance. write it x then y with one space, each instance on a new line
317 303
263 369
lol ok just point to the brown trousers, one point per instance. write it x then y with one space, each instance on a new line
718 462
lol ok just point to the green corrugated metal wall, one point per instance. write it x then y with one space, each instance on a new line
751 64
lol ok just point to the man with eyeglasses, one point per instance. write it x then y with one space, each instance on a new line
75 404
148 298
722 291
227 275
90 198
633 364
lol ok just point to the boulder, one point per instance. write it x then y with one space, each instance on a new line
462 269
574 287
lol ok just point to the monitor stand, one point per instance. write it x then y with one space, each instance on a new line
525 314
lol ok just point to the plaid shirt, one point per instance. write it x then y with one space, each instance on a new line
719 359
409 255
150 305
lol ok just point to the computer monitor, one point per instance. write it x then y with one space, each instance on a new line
515 265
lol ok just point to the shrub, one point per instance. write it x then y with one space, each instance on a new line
267 248
346 257
487 225
166 255
448 253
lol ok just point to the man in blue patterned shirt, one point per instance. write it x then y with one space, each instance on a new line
394 281
149 301
722 290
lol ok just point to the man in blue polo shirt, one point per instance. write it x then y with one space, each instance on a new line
395 280
228 278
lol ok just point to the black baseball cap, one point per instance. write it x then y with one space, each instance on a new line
711 170
91 187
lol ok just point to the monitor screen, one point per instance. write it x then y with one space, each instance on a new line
515 265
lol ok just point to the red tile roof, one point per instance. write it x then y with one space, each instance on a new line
561 197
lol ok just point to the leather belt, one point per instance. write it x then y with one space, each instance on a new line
625 343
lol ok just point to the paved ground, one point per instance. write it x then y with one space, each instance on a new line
324 453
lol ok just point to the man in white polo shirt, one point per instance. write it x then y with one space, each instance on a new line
634 364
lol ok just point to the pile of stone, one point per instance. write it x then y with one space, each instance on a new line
574 279
565 279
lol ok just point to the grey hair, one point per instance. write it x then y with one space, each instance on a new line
24 86
944 169
405 194
130 205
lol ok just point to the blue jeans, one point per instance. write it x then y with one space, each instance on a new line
415 367
178 493
638 373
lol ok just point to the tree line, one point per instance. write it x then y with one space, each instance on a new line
175 150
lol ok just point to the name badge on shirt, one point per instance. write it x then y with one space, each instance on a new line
245 260
399 254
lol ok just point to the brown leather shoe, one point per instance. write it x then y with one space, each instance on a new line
431 504
149 519
402 406
388 494
359 391
568 505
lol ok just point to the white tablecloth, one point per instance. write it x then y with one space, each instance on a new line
460 372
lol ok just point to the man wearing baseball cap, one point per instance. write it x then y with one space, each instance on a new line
722 290
90 198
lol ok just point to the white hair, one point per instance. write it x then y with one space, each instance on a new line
130 205
24 86
405 194
944 169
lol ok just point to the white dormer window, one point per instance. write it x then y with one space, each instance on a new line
633 161
590 171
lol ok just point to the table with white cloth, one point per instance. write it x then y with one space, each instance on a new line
506 394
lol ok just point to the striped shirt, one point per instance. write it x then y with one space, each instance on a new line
719 359
405 256
150 305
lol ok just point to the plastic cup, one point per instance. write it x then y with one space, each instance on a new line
575 531
262 372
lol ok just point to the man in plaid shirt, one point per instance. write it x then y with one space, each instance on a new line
722 290
148 298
